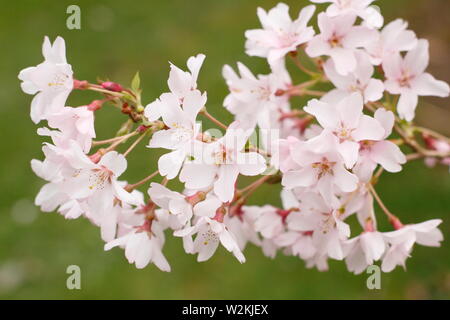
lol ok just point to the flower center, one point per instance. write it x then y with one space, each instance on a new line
209 236
324 167
98 178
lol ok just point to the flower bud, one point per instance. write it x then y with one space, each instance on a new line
80 84
95 105
112 86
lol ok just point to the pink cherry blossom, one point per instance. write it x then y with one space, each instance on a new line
339 39
252 97
407 77
51 81
394 38
360 80
143 246
280 34
221 162
361 8
180 137
383 152
402 241
348 124
76 124
209 234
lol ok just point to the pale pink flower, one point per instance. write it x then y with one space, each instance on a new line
402 241
75 124
209 234
242 226
221 162
394 38
323 223
51 80
182 82
268 222
97 182
339 39
383 152
279 34
347 123
143 246
407 77
360 80
363 250
321 171
179 209
180 137
252 97
371 16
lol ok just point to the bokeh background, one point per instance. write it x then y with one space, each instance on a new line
117 39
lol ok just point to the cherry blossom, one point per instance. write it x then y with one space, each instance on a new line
76 124
383 152
328 157
143 246
360 81
280 34
250 95
361 8
221 162
339 39
209 234
407 77
348 124
402 241
394 38
51 81
182 129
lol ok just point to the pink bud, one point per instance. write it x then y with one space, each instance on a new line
112 86
95 105
80 84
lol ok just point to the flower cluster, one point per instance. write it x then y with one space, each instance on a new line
328 155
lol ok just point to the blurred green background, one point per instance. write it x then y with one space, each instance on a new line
118 38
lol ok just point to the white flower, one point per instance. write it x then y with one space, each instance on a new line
280 34
371 16
347 123
394 38
75 124
175 203
51 80
360 81
407 77
221 162
402 241
252 97
383 152
323 171
182 82
143 246
209 234
363 250
180 137
339 39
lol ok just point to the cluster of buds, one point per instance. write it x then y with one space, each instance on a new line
328 155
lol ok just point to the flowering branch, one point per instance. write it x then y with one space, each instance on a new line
327 155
